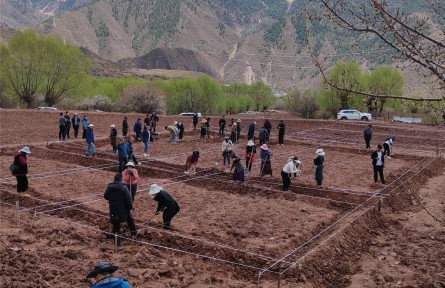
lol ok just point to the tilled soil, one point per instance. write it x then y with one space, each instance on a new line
349 233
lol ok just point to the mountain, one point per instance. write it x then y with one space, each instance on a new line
231 40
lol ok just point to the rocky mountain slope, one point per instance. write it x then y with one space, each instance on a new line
231 40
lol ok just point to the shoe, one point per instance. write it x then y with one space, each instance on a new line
145 154
136 234
24 194
389 157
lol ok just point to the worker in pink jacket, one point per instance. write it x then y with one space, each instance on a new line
130 179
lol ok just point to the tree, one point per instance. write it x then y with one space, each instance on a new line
383 80
304 104
22 65
63 69
142 99
345 76
262 96
33 63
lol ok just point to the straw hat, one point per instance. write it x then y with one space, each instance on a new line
102 267
250 143
25 149
130 163
320 152
264 147
154 189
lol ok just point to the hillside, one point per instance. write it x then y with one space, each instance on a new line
231 40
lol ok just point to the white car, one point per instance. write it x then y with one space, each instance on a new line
190 114
46 108
351 114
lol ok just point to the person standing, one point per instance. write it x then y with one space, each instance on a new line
192 161
84 126
251 131
90 141
125 126
120 206
122 153
153 120
250 155
62 127
367 134
103 275
67 124
226 147
378 163
233 133
173 133
113 137
166 204
318 163
238 130
137 128
268 126
131 156
147 120
195 120
222 125
281 129
181 129
21 169
130 178
266 164
387 146
76 123
262 135
146 135
238 173
290 168
208 127
203 129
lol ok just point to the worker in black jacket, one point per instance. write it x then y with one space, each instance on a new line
120 205
166 204
378 162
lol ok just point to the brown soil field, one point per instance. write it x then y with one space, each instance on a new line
349 233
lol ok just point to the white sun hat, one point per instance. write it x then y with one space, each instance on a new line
90 125
25 149
130 163
154 189
113 126
320 152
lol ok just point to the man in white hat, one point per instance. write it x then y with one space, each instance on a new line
290 168
166 203
19 169
90 141
113 137
318 163
103 275
120 205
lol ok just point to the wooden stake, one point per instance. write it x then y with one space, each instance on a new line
17 213
32 223
115 242
379 205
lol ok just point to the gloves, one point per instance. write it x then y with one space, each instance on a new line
297 173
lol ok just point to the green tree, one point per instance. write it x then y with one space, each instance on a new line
345 75
64 68
261 95
383 80
304 104
22 65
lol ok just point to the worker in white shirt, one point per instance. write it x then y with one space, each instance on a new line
290 168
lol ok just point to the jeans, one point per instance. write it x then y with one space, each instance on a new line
91 148
174 138
146 145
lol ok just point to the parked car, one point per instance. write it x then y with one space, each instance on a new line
46 108
190 114
351 114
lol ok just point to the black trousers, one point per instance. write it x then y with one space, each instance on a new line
167 217
76 130
67 131
368 142
379 170
22 183
262 141
62 132
84 134
386 149
268 134
280 138
248 164
132 188
286 180
130 222
221 130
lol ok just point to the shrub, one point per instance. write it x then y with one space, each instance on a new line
142 99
